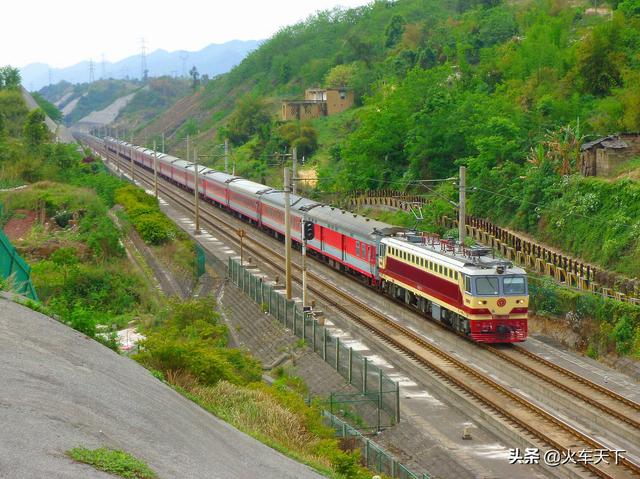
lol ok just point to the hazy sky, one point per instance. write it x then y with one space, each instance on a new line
65 32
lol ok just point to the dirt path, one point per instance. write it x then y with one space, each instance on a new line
17 227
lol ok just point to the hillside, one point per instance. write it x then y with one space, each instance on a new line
511 90
102 101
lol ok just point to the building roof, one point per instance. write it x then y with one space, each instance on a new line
611 141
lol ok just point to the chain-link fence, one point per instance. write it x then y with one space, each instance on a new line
372 455
200 260
15 270
374 385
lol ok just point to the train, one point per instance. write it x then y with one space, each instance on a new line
468 289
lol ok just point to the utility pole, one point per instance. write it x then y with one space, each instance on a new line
163 142
304 265
241 234
91 76
226 155
294 158
461 207
133 174
187 147
196 189
155 170
287 230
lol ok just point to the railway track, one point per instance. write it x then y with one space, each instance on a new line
511 406
596 395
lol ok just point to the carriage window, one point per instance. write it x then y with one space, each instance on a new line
514 284
357 248
487 286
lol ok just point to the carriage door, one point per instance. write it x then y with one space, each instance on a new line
382 256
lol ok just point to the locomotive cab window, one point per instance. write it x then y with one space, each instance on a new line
514 285
487 286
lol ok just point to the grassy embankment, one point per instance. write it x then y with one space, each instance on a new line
188 348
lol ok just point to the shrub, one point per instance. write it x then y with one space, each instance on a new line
623 335
191 340
145 216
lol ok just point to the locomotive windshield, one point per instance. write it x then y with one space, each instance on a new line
497 285
514 284
487 285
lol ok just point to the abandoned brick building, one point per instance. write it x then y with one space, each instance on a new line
601 157
317 102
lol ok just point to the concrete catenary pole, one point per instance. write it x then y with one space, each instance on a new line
196 189
304 265
187 147
155 170
287 230
163 142
461 206
133 173
294 158
226 155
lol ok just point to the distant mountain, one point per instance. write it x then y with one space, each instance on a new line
211 60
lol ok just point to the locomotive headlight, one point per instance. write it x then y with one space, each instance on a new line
519 301
482 302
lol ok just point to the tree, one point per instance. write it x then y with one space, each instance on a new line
630 8
195 77
302 136
393 32
599 60
340 75
250 116
9 78
35 129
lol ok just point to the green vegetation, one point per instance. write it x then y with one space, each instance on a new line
172 246
113 461
144 214
148 102
605 325
49 108
9 78
79 268
188 348
191 340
